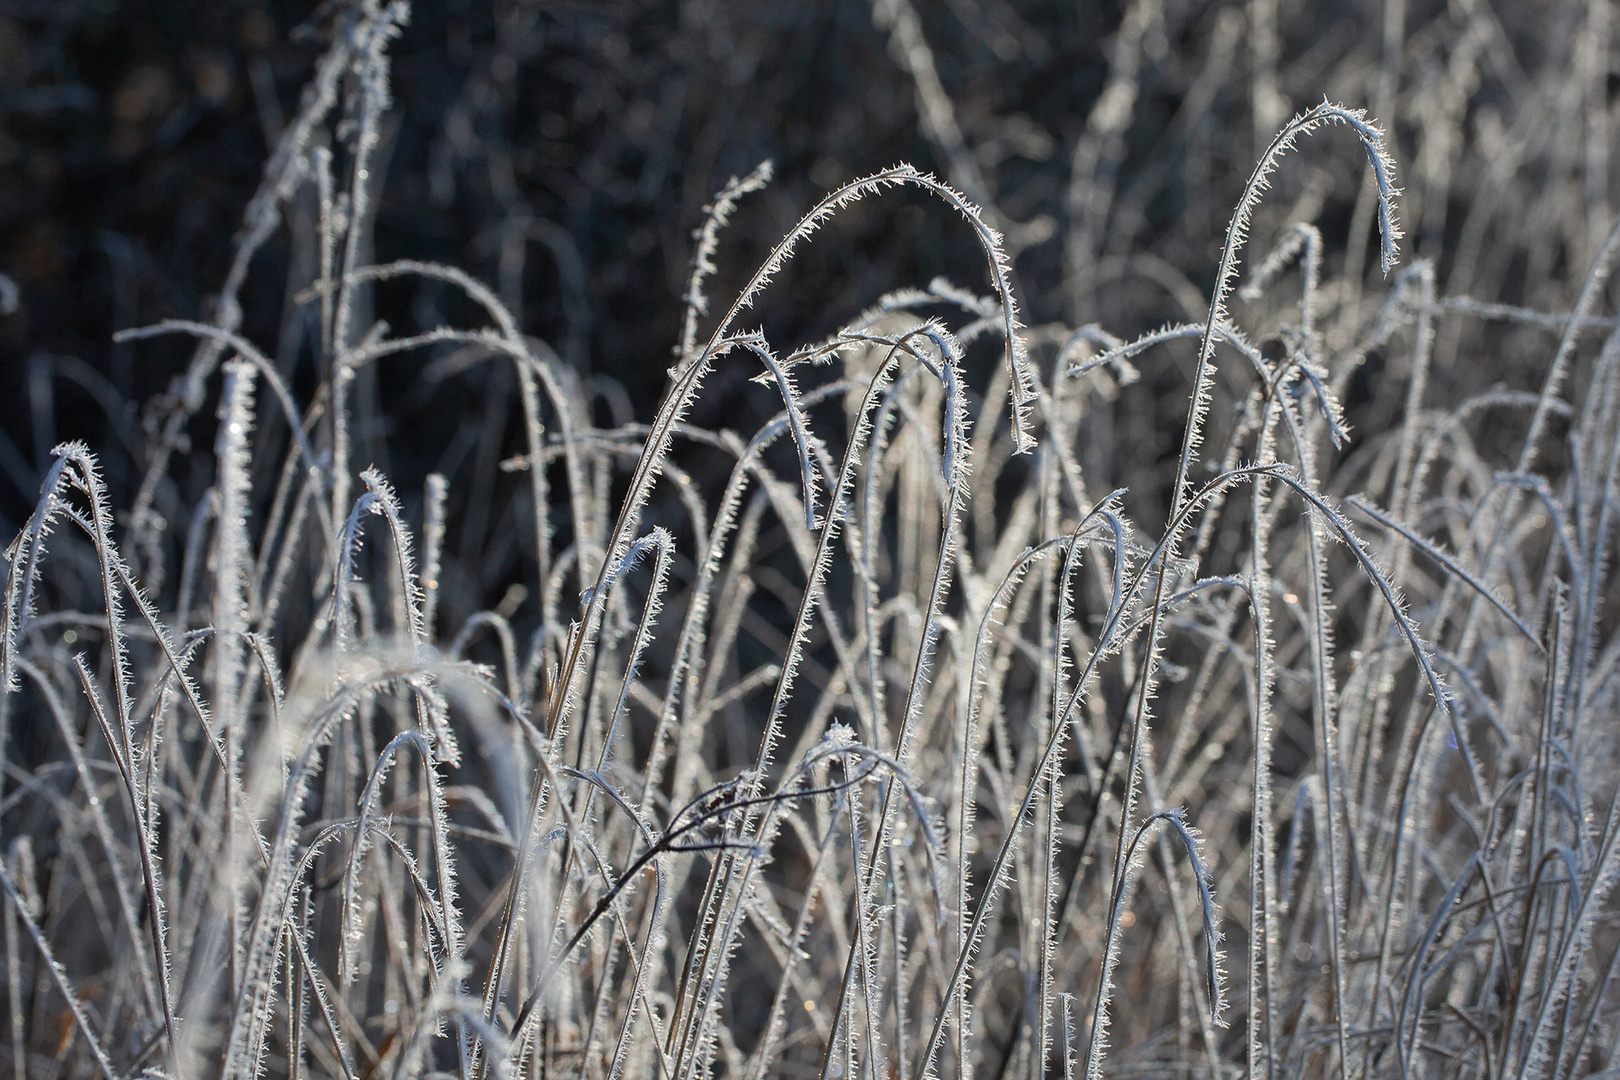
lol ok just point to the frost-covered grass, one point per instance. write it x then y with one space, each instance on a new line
882 739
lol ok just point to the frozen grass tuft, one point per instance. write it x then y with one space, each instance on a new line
887 737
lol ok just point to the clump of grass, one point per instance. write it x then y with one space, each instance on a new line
878 740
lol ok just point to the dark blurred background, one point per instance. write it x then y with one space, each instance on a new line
563 152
